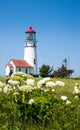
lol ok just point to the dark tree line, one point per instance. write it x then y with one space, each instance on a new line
62 72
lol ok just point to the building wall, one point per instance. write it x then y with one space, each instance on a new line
30 55
24 70
7 70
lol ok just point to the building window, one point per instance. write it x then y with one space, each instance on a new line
34 61
34 44
26 71
11 72
19 69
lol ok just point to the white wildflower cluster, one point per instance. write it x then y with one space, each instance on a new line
1 83
47 85
40 83
50 84
17 73
1 86
76 97
43 81
30 82
7 89
65 98
16 93
26 88
60 83
68 102
13 82
46 79
76 89
31 101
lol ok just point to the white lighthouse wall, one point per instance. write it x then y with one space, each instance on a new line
30 56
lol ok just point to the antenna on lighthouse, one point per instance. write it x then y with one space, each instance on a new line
65 62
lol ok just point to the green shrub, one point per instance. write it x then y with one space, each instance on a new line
26 104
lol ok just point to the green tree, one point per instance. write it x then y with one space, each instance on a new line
63 72
45 70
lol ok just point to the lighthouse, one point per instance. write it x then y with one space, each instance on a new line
30 52
27 65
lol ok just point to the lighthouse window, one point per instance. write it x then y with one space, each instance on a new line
34 44
30 37
34 61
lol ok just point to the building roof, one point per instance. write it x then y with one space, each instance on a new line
10 65
30 30
20 63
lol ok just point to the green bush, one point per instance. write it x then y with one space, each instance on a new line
37 105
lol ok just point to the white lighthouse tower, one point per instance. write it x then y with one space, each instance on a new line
30 54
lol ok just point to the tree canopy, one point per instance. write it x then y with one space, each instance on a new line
62 72
45 70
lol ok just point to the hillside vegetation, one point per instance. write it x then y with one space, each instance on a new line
28 103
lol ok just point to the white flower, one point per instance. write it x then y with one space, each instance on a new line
16 93
23 88
30 82
40 83
68 102
5 89
76 90
60 83
17 73
53 90
76 97
45 90
31 101
50 84
26 88
46 79
1 83
13 82
64 98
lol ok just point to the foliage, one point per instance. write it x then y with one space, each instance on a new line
2 79
45 70
62 72
38 105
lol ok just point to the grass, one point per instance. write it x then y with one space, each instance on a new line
69 85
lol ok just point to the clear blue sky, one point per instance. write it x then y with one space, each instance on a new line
57 23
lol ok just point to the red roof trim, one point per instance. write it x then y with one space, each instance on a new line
21 63
30 30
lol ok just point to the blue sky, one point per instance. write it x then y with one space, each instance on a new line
57 23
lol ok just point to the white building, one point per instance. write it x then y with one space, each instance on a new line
29 64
